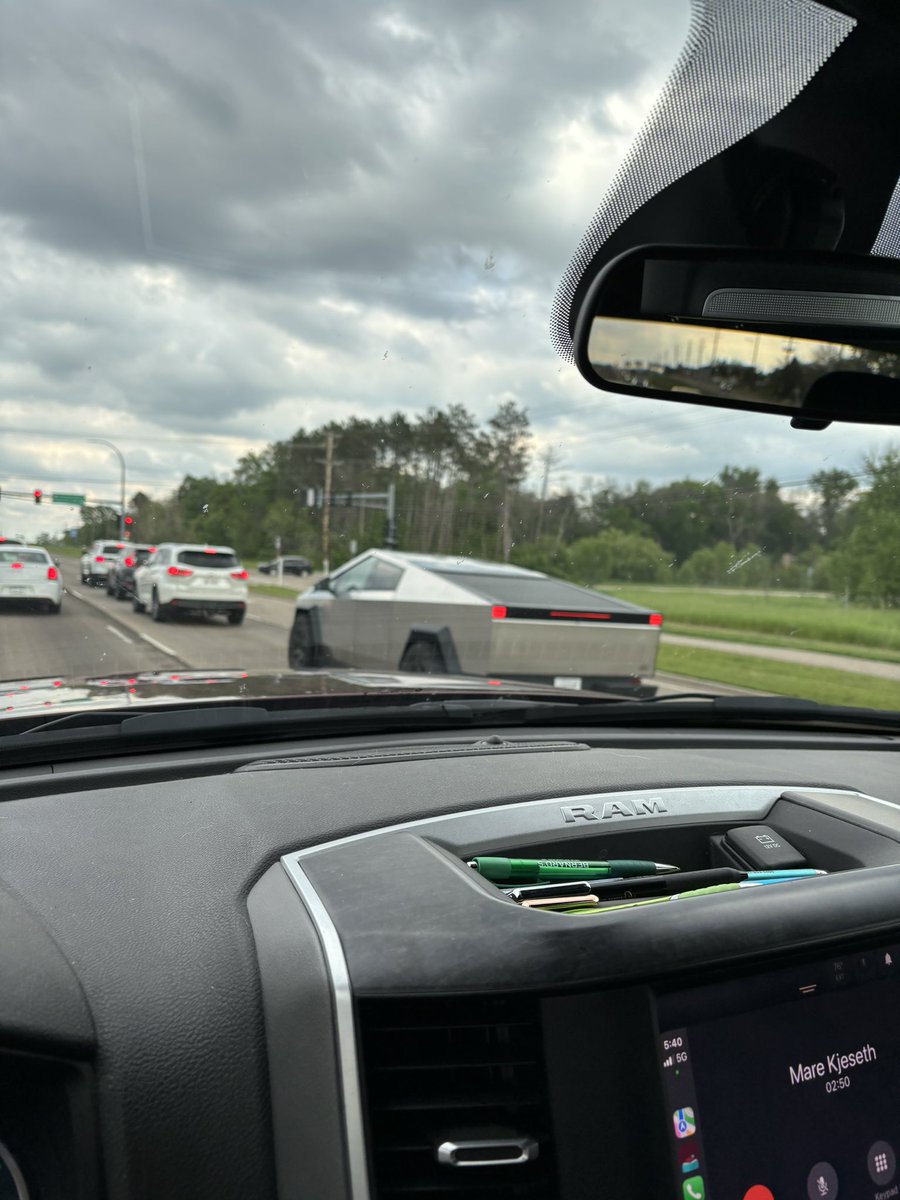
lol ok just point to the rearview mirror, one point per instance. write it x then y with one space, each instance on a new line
812 336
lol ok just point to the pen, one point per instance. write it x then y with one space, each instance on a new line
545 870
655 885
562 902
707 891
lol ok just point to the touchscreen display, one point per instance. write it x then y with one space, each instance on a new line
786 1086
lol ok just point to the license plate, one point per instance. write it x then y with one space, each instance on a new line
567 681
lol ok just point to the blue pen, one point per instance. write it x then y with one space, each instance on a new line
653 885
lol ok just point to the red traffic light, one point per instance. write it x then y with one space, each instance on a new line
129 520
37 495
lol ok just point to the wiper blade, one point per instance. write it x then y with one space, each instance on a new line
698 709
127 731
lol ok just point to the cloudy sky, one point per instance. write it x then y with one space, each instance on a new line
220 221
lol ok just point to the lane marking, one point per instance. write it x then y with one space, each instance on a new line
90 602
160 646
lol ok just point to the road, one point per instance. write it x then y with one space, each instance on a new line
95 634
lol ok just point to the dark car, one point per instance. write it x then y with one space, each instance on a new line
120 578
295 565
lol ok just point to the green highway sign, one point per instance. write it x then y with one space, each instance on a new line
67 498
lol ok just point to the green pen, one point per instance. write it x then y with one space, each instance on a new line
547 870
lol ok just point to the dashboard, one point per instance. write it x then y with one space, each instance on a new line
270 972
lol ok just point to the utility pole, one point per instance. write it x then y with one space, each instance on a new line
549 458
390 531
118 453
326 507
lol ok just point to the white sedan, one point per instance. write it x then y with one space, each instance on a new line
29 574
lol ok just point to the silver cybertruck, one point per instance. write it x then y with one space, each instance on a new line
390 611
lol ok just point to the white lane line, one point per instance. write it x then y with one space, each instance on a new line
74 592
159 645
120 634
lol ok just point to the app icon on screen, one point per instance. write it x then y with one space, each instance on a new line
689 1162
694 1189
683 1120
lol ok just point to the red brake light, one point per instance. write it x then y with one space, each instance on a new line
655 619
151 549
580 616
99 558
208 551
52 573
239 575
129 561
17 566
498 612
179 571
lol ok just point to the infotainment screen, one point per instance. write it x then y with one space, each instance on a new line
787 1085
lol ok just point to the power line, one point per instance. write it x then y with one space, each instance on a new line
139 438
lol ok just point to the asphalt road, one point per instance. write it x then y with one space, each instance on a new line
97 635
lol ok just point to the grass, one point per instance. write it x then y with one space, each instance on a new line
785 679
876 654
272 589
793 620
63 550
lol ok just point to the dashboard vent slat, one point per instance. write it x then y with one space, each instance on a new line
433 1067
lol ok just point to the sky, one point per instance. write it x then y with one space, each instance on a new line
221 222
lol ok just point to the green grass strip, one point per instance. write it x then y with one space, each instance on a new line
272 589
794 617
788 643
784 679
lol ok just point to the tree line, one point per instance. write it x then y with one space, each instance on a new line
461 489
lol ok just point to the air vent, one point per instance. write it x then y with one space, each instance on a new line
465 1071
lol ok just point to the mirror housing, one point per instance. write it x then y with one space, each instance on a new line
814 336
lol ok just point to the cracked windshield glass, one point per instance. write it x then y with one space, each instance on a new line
281 408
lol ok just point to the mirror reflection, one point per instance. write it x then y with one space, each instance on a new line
701 360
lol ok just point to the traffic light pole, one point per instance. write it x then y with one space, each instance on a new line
326 511
119 455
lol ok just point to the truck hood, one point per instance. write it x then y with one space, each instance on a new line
146 690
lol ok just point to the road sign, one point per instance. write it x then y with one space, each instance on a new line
67 498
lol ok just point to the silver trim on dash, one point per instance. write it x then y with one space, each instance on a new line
342 993
16 1175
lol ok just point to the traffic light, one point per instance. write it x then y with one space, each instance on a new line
38 494
129 520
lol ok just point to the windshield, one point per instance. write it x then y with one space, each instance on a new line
282 283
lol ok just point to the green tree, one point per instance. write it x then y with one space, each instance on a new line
867 560
834 489
617 556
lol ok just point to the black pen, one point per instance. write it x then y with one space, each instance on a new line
654 885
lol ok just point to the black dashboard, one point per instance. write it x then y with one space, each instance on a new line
262 972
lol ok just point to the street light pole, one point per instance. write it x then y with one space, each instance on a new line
119 455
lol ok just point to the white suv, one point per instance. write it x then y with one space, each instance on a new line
186 578
97 560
